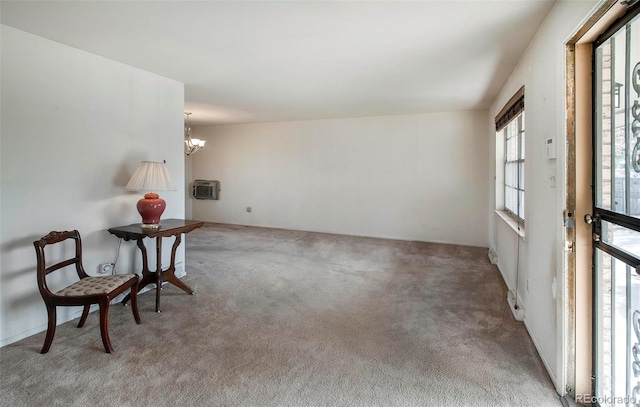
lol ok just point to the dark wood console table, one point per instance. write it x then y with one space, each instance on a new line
168 228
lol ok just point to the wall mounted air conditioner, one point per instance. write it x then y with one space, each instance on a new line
206 189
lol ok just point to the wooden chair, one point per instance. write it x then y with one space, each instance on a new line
88 290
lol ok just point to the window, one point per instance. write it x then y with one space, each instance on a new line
510 128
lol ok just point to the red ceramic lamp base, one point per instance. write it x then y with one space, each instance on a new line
151 208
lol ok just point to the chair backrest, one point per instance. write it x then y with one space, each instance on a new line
42 269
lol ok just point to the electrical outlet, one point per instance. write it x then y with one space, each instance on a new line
106 268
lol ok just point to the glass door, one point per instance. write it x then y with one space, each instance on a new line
616 214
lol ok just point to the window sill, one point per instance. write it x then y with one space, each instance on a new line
518 228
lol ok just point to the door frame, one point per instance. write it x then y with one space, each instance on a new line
575 330
575 354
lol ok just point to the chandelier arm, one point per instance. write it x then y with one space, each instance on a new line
191 146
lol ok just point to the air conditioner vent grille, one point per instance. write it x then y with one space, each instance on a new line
206 189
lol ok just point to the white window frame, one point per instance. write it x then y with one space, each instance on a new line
513 163
512 116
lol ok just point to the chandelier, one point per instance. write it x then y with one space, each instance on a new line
193 144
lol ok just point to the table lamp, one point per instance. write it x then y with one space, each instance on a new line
151 176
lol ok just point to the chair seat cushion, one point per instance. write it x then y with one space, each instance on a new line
95 285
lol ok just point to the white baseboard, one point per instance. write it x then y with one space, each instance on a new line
180 272
43 327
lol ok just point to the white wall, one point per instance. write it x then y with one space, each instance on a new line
416 177
188 205
542 72
74 128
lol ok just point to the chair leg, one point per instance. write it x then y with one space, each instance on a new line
104 319
83 318
51 328
134 303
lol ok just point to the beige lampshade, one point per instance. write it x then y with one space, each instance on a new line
150 176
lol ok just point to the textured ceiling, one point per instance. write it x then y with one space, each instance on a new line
262 61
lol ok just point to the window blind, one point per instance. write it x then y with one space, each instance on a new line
513 108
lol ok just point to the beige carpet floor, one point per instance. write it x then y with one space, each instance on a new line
288 318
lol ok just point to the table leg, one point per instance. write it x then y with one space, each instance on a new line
157 277
169 274
158 271
147 276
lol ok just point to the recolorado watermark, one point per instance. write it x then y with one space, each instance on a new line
607 400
